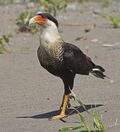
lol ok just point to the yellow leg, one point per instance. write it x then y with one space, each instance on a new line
68 105
63 108
62 102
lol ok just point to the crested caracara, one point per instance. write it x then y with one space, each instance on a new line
62 59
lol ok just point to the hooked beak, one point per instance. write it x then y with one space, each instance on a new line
37 20
31 21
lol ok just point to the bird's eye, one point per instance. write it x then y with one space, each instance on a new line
42 15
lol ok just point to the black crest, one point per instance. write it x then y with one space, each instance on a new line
49 16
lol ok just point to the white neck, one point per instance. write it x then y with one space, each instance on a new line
49 34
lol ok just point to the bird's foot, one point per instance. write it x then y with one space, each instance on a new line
57 117
63 108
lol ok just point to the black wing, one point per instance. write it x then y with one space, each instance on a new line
75 60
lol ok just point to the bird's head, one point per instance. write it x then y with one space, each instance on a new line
44 20
48 27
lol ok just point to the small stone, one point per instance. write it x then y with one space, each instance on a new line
87 30
30 5
48 98
94 40
107 45
111 81
97 11
81 38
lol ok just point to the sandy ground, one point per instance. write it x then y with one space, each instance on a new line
29 95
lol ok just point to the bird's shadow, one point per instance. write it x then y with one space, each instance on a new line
70 112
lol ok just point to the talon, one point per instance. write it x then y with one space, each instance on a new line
69 105
63 108
57 117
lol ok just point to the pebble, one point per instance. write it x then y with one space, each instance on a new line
30 5
111 81
94 40
107 45
97 11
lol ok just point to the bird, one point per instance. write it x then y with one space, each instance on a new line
62 59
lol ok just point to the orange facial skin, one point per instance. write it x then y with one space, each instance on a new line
40 20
